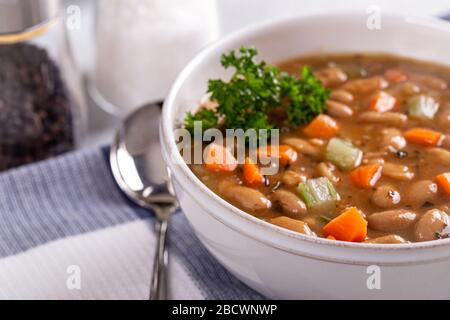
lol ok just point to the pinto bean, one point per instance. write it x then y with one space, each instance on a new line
365 86
391 221
385 197
431 225
338 109
342 96
403 90
445 208
393 139
397 172
390 239
373 160
439 155
293 225
409 89
317 142
446 142
291 178
429 81
247 198
420 192
326 169
303 147
331 77
312 222
443 119
292 206
395 119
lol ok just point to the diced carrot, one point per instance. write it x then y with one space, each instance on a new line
284 153
331 238
366 176
287 154
349 226
383 102
322 127
252 175
443 181
219 159
424 137
396 76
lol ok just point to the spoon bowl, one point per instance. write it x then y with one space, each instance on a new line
136 159
139 170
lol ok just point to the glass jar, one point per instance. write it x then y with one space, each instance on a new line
141 46
41 98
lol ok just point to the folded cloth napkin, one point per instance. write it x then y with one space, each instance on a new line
67 232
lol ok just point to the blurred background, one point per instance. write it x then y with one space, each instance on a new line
232 15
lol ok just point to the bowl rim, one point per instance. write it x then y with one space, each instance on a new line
169 147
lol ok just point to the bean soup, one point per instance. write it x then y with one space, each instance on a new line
364 157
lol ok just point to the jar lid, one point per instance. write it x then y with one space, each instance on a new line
17 16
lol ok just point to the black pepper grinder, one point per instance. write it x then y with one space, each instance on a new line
41 98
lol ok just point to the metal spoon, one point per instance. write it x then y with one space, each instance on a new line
141 173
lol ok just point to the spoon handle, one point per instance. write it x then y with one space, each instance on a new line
158 290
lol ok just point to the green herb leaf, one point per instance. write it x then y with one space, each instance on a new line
255 90
307 97
207 117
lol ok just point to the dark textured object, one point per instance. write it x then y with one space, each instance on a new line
35 111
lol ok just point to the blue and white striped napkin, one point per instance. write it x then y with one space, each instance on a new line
67 232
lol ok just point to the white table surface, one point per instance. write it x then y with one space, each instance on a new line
232 14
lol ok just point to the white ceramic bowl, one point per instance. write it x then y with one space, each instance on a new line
276 262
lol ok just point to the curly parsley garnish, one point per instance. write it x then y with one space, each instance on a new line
256 90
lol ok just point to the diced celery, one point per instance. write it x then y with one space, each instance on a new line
319 195
343 154
422 107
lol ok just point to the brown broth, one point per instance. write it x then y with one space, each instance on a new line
367 137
